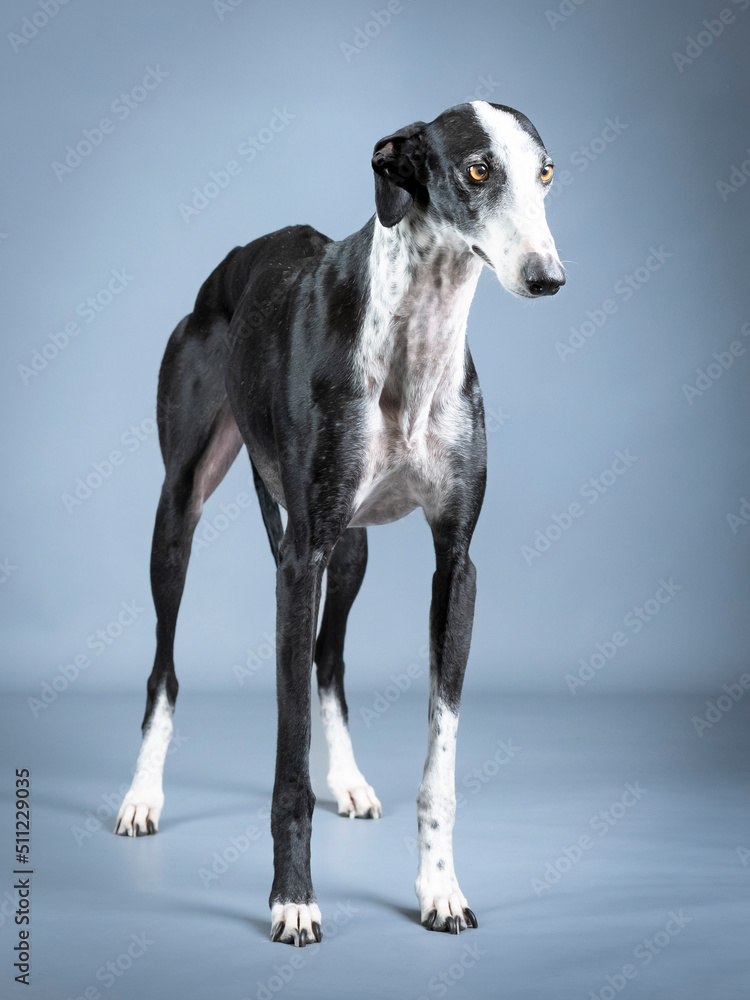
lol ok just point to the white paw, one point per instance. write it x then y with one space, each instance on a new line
295 923
354 797
139 814
446 910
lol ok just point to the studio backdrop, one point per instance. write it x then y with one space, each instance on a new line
143 141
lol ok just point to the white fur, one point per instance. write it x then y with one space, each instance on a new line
144 799
436 886
520 228
354 797
295 917
410 358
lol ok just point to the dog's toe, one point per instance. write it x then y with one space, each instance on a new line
295 923
449 913
357 800
137 818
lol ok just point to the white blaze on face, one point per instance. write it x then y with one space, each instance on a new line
518 226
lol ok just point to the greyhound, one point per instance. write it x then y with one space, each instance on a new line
344 368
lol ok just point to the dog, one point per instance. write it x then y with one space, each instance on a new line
343 367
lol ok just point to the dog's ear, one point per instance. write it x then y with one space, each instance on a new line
400 173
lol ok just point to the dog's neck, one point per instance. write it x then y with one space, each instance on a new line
412 343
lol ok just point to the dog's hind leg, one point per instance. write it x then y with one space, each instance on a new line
200 440
346 570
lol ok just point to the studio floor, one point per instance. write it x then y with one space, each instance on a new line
602 842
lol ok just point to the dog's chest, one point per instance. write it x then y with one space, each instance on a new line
400 474
409 359
415 414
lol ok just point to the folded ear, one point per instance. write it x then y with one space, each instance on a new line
400 173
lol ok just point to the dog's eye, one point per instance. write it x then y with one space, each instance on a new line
478 172
545 174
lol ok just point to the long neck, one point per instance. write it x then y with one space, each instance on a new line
413 339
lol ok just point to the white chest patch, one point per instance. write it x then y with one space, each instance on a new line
410 359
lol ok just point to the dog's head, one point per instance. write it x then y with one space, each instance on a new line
479 172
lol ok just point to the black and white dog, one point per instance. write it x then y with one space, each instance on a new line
344 369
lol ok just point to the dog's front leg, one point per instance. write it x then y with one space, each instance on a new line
295 917
443 906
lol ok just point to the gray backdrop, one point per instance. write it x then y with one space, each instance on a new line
644 109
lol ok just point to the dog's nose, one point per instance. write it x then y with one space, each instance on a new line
542 277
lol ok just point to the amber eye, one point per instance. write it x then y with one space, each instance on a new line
478 172
545 174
